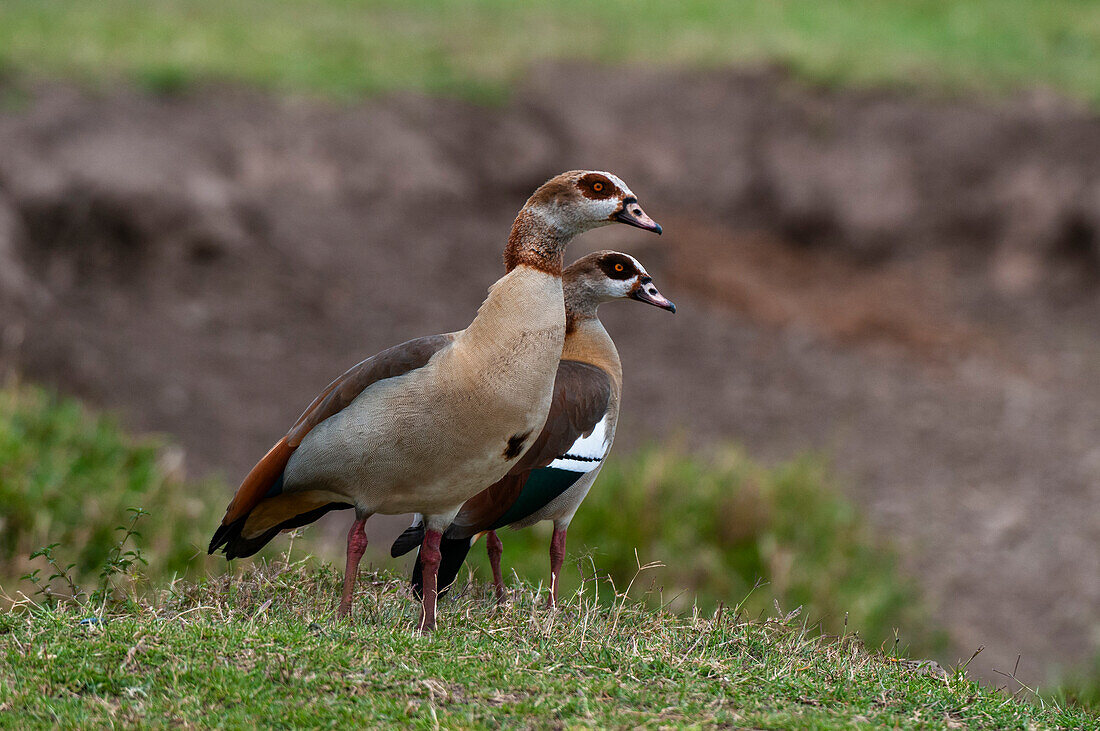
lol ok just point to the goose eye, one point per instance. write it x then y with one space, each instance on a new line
618 267
597 187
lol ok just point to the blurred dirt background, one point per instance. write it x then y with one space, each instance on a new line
909 286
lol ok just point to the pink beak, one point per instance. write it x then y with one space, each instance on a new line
646 291
633 215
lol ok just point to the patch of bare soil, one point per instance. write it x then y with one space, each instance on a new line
907 284
772 283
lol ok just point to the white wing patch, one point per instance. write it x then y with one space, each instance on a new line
587 452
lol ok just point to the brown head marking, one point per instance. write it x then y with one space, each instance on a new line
617 266
597 187
556 190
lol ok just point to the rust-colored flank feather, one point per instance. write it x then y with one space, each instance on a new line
259 481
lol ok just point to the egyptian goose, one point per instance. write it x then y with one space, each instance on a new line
552 479
424 426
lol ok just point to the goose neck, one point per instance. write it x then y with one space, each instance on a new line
535 243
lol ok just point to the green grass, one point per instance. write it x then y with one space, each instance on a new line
68 476
264 649
347 48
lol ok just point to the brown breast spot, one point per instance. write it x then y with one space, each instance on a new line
515 445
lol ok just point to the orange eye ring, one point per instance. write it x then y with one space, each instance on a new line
597 187
618 267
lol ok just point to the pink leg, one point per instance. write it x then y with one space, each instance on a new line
495 549
557 555
429 560
357 545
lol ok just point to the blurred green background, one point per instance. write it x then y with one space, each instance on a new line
478 49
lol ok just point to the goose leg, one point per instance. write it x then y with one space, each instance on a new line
495 549
429 559
557 556
357 545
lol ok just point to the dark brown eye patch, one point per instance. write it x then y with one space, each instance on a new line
617 266
596 186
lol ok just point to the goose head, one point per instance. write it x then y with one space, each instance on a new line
565 206
605 276
581 200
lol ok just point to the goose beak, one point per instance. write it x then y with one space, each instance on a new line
646 291
632 215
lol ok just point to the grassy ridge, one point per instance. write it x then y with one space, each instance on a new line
264 649
349 47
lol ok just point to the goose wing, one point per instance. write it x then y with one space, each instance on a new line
574 441
265 479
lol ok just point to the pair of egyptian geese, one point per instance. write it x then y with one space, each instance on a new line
504 423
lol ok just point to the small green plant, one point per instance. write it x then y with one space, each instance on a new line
45 589
121 560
